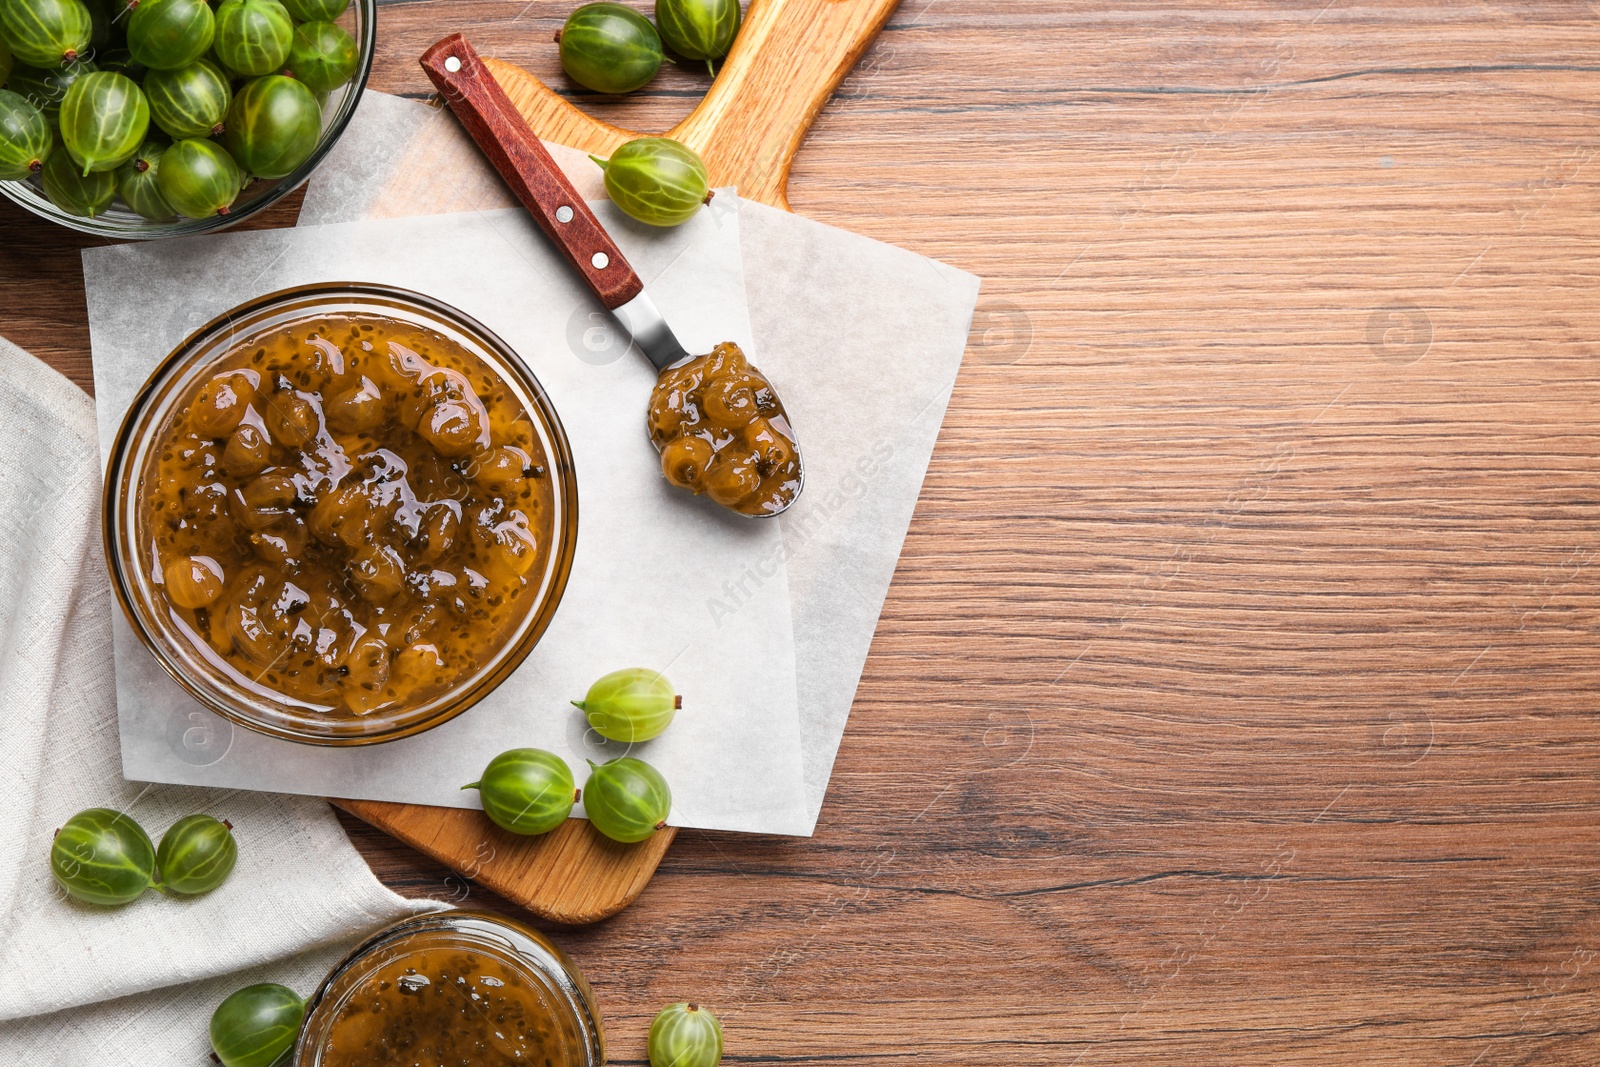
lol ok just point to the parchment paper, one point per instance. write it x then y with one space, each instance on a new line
651 565
863 339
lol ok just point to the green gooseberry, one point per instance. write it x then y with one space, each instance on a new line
102 856
698 29
25 137
46 33
273 126
139 185
168 34
659 181
256 1025
75 192
46 88
316 10
199 178
253 36
685 1035
527 791
609 48
196 855
323 56
626 799
633 704
104 117
191 101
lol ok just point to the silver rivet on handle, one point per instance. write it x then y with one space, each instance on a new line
452 64
563 213
600 260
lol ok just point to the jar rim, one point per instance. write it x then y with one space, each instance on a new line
511 942
257 708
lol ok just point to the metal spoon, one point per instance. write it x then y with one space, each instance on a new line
492 121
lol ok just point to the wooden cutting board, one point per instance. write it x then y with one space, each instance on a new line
789 56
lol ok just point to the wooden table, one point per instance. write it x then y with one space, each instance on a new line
1235 699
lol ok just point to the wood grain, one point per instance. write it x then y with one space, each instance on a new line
1234 701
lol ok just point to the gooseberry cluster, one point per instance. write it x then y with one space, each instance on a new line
171 105
611 48
531 791
102 856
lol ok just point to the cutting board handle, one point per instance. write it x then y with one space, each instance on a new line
787 60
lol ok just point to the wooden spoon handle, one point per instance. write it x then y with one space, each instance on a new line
489 117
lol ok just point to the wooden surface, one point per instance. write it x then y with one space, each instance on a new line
1235 699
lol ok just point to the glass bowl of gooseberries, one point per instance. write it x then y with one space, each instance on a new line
161 118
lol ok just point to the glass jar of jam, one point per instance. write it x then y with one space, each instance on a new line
457 989
341 514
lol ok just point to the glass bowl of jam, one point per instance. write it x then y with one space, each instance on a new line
457 989
341 514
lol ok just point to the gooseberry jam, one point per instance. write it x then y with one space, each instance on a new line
722 431
461 989
341 514
345 510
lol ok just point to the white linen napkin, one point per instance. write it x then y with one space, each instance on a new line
116 978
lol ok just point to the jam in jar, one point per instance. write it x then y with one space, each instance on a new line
459 989
346 511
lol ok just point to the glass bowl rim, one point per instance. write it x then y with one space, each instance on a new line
36 204
454 702
573 987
